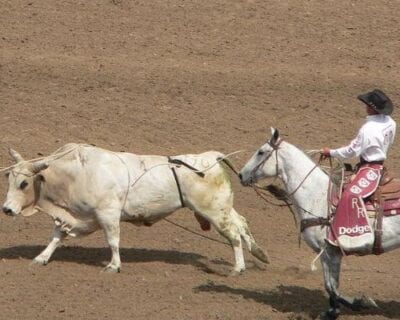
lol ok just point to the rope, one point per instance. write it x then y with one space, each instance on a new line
196 233
277 253
263 195
54 156
129 180
219 159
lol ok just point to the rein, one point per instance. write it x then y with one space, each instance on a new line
301 183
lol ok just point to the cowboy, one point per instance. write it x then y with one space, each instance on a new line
350 226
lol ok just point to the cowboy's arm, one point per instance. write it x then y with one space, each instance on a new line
354 149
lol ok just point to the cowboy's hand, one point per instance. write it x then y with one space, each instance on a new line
325 152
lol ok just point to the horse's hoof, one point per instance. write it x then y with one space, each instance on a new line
330 314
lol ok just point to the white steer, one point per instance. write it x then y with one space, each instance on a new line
86 188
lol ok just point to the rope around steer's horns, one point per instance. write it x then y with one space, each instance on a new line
50 158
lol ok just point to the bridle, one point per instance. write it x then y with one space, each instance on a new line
275 147
304 223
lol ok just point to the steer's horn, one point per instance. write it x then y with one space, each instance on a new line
39 166
16 156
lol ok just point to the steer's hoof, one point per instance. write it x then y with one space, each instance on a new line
112 269
236 273
259 253
39 262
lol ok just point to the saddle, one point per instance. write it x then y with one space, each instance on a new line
387 193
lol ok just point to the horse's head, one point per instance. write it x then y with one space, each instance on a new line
22 181
262 164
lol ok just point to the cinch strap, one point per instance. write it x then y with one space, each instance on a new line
178 185
180 162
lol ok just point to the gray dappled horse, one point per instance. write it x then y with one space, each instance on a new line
307 186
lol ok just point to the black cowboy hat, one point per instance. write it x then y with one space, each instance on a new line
377 100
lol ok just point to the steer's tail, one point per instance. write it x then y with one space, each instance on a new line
248 238
242 224
228 163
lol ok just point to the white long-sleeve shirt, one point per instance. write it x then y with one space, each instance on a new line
373 140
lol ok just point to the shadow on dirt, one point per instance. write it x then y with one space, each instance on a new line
299 300
98 256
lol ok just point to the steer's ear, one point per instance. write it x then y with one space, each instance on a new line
15 155
39 166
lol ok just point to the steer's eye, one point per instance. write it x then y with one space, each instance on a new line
23 185
260 152
7 174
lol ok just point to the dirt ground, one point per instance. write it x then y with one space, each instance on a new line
170 77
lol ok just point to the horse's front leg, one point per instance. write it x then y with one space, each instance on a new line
331 261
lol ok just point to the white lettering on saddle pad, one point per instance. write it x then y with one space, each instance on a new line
360 209
372 175
356 229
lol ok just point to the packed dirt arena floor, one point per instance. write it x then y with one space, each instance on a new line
184 76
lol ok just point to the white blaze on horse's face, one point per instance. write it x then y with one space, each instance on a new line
263 163
21 180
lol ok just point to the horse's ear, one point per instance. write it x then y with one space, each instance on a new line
275 135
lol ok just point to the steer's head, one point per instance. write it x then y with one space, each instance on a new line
23 185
